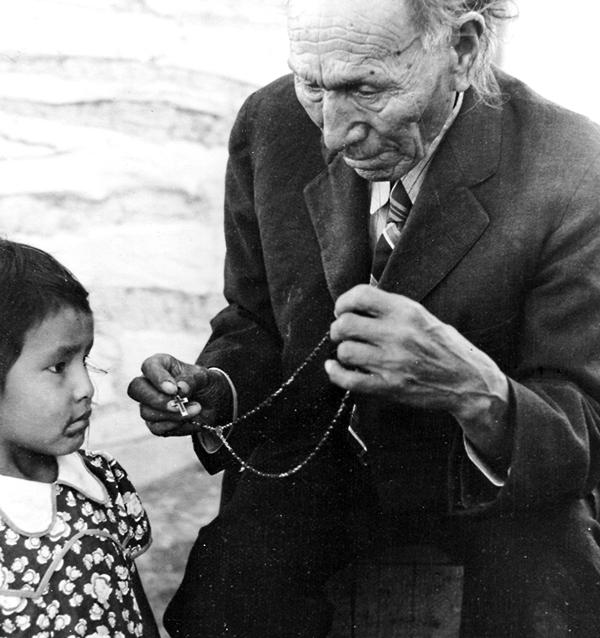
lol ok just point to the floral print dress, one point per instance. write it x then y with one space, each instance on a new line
67 552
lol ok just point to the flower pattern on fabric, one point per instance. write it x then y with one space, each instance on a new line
75 580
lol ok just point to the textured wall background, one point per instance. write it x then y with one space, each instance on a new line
114 116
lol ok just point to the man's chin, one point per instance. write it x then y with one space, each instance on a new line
379 173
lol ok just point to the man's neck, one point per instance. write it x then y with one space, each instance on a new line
416 172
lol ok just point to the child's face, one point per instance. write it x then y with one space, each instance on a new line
45 405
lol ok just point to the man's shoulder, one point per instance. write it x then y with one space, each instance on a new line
273 112
279 94
280 91
553 128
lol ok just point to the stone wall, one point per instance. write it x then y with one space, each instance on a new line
114 118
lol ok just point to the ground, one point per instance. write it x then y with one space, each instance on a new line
178 505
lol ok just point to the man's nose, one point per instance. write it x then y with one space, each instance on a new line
342 122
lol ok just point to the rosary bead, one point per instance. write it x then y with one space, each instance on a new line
219 430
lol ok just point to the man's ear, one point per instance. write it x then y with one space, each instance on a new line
465 42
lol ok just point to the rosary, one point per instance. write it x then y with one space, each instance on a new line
219 430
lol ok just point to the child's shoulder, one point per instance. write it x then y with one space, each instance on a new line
121 492
102 463
107 470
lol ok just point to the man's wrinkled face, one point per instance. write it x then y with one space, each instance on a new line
364 77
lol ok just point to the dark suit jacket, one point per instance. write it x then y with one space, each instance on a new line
503 243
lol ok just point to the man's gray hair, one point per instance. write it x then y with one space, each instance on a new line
438 20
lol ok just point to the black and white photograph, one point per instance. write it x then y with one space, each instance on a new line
299 319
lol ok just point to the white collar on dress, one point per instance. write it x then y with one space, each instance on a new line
29 507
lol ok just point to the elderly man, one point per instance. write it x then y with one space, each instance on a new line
442 222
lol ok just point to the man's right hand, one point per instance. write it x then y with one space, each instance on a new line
163 377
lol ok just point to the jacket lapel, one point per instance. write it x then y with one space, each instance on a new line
338 203
440 231
446 219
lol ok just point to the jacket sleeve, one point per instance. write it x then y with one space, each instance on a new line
555 390
245 342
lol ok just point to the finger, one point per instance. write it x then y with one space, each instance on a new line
169 412
170 428
366 300
145 393
160 369
353 354
350 326
192 379
353 380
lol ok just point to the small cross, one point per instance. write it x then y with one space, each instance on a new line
180 402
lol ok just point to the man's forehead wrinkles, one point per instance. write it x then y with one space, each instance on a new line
383 37
337 41
337 47
337 66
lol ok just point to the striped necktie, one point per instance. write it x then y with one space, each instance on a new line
398 208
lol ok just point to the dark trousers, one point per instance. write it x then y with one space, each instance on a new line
258 569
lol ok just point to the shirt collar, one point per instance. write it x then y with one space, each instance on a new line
380 191
29 507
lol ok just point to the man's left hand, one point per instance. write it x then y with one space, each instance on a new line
391 346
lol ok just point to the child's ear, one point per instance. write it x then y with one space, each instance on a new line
466 42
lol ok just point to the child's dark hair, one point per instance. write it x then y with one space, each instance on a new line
33 286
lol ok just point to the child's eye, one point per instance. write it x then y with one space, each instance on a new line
58 368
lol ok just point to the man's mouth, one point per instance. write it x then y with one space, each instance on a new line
378 160
361 162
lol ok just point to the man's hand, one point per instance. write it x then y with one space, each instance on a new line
392 346
164 377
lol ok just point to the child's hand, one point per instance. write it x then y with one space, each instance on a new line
163 378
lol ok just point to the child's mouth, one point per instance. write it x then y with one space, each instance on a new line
79 424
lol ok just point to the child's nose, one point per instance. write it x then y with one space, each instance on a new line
83 387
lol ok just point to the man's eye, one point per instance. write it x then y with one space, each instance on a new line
365 92
310 89
58 368
313 89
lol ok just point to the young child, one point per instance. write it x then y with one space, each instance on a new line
71 523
